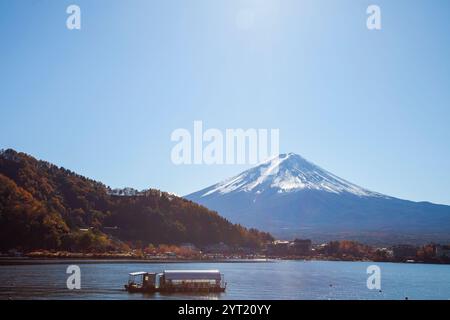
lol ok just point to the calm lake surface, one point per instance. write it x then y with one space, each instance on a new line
249 280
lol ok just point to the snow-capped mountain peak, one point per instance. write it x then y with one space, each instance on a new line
292 197
286 173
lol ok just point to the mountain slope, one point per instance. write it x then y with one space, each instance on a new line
44 206
290 196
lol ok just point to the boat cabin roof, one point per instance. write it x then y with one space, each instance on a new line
139 273
192 274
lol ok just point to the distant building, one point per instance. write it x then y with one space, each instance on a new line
114 231
389 253
188 246
217 248
14 253
111 228
301 246
404 251
442 251
278 247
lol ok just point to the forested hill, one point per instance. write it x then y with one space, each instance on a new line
43 206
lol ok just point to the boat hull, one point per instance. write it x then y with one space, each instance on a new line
134 289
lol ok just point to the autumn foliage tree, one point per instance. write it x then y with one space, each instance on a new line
43 206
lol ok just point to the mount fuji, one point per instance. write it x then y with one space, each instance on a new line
292 197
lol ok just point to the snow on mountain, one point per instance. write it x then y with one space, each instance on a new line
287 173
292 197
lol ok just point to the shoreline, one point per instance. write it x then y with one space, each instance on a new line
96 260
87 260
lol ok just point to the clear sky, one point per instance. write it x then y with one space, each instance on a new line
370 106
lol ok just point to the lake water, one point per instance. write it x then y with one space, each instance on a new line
259 280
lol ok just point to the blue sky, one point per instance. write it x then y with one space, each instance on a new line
369 106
